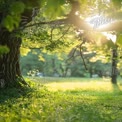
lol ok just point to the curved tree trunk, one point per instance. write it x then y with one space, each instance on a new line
10 74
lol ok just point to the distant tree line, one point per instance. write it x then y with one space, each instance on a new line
55 66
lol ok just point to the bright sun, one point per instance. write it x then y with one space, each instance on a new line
100 22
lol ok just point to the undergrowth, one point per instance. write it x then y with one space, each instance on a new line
40 103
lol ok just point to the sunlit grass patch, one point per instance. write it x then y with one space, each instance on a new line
83 84
80 85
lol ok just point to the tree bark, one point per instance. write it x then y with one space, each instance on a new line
114 66
10 74
91 71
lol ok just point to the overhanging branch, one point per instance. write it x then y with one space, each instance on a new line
80 24
53 22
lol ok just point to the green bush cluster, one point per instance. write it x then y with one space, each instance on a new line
4 49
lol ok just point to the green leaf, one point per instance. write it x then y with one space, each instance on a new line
12 20
110 44
119 39
4 50
54 8
8 23
17 8
117 3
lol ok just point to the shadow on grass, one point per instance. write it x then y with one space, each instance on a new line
99 110
116 87
13 93
95 106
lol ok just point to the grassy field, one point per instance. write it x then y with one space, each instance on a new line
63 100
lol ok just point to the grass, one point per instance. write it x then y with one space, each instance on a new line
63 100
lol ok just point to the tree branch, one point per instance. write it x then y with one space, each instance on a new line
81 54
80 24
54 22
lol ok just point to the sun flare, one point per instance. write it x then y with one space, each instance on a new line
110 36
98 22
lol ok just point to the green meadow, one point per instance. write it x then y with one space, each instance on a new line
63 100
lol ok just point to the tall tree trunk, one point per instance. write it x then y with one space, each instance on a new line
10 74
91 71
114 66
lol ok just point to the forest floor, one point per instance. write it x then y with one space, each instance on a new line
63 100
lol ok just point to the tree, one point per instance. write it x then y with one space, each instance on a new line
14 17
12 13
31 62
